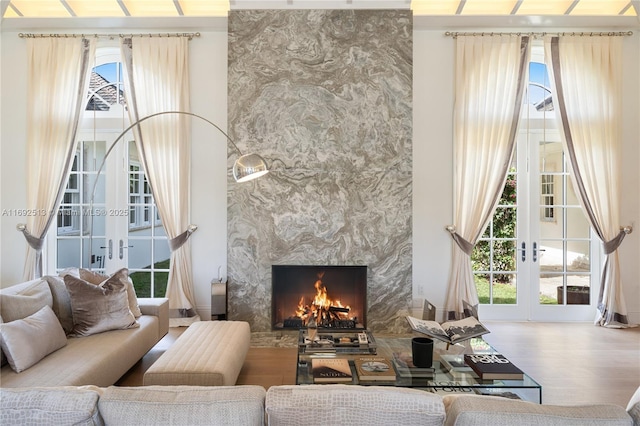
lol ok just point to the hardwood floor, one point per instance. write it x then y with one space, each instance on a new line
576 363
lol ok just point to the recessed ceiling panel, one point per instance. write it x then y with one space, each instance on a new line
151 7
484 7
430 7
40 8
204 8
544 7
95 8
599 7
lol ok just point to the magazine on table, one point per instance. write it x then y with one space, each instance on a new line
451 331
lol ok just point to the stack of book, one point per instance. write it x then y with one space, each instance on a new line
374 369
403 363
331 370
455 366
493 367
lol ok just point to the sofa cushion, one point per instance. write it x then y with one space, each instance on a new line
496 411
61 302
28 340
352 405
50 406
97 278
183 405
633 407
24 299
99 308
100 359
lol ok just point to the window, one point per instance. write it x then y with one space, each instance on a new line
546 194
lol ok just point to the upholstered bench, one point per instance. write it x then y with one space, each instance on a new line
208 353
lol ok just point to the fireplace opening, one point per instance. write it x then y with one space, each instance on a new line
331 296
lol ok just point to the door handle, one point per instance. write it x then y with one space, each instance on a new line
122 247
535 251
110 249
524 251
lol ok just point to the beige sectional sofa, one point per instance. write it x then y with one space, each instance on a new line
97 359
308 405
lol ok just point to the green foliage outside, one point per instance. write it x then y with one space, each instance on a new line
142 280
503 294
504 226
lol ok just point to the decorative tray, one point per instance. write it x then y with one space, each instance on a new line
334 341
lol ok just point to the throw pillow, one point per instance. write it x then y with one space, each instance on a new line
27 298
97 278
98 308
61 302
3 358
27 341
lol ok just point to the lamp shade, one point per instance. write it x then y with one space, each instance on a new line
248 167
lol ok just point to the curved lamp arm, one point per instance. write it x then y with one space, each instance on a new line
245 168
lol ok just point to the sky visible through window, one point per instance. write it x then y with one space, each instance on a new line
108 71
538 74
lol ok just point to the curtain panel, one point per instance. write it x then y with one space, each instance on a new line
491 72
57 83
158 77
586 83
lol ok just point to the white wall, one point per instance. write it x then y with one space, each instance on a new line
433 79
432 150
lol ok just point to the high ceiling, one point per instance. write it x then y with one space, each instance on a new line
201 8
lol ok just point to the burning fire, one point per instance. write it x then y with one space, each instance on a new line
322 308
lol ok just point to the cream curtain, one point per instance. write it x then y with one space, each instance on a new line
56 90
491 72
586 77
158 75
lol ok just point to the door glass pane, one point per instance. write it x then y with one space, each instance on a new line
578 256
577 224
160 283
139 253
504 289
141 283
69 252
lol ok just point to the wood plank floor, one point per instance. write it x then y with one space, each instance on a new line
576 363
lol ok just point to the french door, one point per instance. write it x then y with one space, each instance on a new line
536 260
108 219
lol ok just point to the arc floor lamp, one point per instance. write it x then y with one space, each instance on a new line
246 167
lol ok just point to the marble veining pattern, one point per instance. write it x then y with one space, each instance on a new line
326 97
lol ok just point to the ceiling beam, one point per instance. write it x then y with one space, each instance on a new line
516 7
69 8
124 8
571 7
178 7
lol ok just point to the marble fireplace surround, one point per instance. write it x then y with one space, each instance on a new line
326 97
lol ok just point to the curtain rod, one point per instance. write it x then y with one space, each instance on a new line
110 36
534 34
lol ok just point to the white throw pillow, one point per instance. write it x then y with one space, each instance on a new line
28 299
27 341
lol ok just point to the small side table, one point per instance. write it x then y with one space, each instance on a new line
218 301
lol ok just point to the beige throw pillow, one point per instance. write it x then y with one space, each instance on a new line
97 278
61 302
99 308
27 341
31 297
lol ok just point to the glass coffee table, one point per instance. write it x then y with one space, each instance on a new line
444 379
